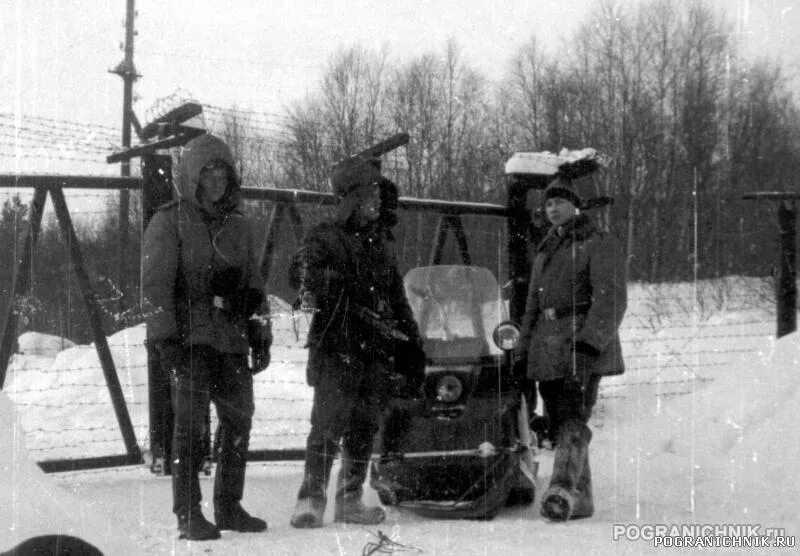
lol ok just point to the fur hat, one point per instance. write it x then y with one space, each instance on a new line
353 173
563 188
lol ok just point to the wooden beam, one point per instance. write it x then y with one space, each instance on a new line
93 309
177 115
68 182
275 220
441 237
183 135
461 238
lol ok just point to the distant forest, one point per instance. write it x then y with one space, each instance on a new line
660 88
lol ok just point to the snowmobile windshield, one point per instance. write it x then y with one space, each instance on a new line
459 305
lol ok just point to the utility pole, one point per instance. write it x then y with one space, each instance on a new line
127 71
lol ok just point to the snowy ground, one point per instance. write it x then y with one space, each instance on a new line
698 431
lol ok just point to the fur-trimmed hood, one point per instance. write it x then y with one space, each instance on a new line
197 153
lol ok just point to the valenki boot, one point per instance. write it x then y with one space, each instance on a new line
349 490
311 500
308 513
584 502
562 498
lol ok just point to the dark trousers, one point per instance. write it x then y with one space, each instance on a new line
347 412
208 375
566 400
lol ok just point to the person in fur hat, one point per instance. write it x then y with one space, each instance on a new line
343 266
201 285
576 299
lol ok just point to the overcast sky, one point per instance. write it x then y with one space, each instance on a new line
264 54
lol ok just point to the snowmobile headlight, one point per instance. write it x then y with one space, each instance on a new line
506 335
449 389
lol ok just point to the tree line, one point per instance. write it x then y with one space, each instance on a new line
660 88
686 124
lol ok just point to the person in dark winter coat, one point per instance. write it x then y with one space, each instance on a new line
202 284
343 268
576 300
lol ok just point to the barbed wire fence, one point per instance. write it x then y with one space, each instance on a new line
669 333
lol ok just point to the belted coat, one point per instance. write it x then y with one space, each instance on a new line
577 294
192 255
344 268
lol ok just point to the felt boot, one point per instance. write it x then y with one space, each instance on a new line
560 500
349 490
308 513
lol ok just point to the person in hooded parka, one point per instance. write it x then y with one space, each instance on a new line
201 284
345 264
577 297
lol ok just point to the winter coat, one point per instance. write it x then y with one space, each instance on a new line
343 268
577 294
201 279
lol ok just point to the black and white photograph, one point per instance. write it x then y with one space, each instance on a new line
415 278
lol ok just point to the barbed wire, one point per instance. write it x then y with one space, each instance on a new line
75 445
654 382
50 156
30 132
43 405
33 133
705 325
41 430
54 123
74 385
33 143
281 419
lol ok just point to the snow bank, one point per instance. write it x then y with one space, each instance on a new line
32 504
700 429
45 345
725 451
66 407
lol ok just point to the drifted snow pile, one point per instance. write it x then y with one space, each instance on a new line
66 408
32 504
725 452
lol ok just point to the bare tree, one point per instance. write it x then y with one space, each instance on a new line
344 118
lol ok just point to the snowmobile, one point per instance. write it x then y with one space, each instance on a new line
463 449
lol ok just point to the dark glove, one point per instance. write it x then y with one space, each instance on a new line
586 349
410 361
259 332
246 302
225 281
171 354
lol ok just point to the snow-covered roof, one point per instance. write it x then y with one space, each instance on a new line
545 163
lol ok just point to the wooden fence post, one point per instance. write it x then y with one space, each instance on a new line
100 341
786 279
787 269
